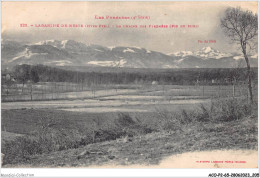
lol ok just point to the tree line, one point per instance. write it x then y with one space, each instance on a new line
40 73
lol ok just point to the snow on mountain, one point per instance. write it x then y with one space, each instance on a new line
208 57
98 50
128 50
238 57
148 51
69 52
55 43
27 53
73 53
111 47
137 47
207 49
204 53
59 63
15 58
64 44
11 49
208 52
170 66
119 63
182 53
179 60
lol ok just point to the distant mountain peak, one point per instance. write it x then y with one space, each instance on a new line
208 49
209 52
204 53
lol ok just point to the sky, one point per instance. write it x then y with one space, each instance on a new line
205 15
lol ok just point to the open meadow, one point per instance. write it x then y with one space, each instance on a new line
124 125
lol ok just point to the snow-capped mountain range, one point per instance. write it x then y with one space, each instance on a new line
204 53
73 53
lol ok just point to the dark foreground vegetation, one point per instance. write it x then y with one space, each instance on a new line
58 138
41 73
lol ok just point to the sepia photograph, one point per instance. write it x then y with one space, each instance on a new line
129 85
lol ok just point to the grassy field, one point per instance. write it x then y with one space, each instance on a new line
118 124
64 91
52 137
152 148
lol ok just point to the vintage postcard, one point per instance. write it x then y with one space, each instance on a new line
129 85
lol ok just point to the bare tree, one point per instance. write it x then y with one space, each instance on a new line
241 26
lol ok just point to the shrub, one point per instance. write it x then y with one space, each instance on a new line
220 110
125 120
129 126
204 114
230 109
20 149
168 120
46 138
185 117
